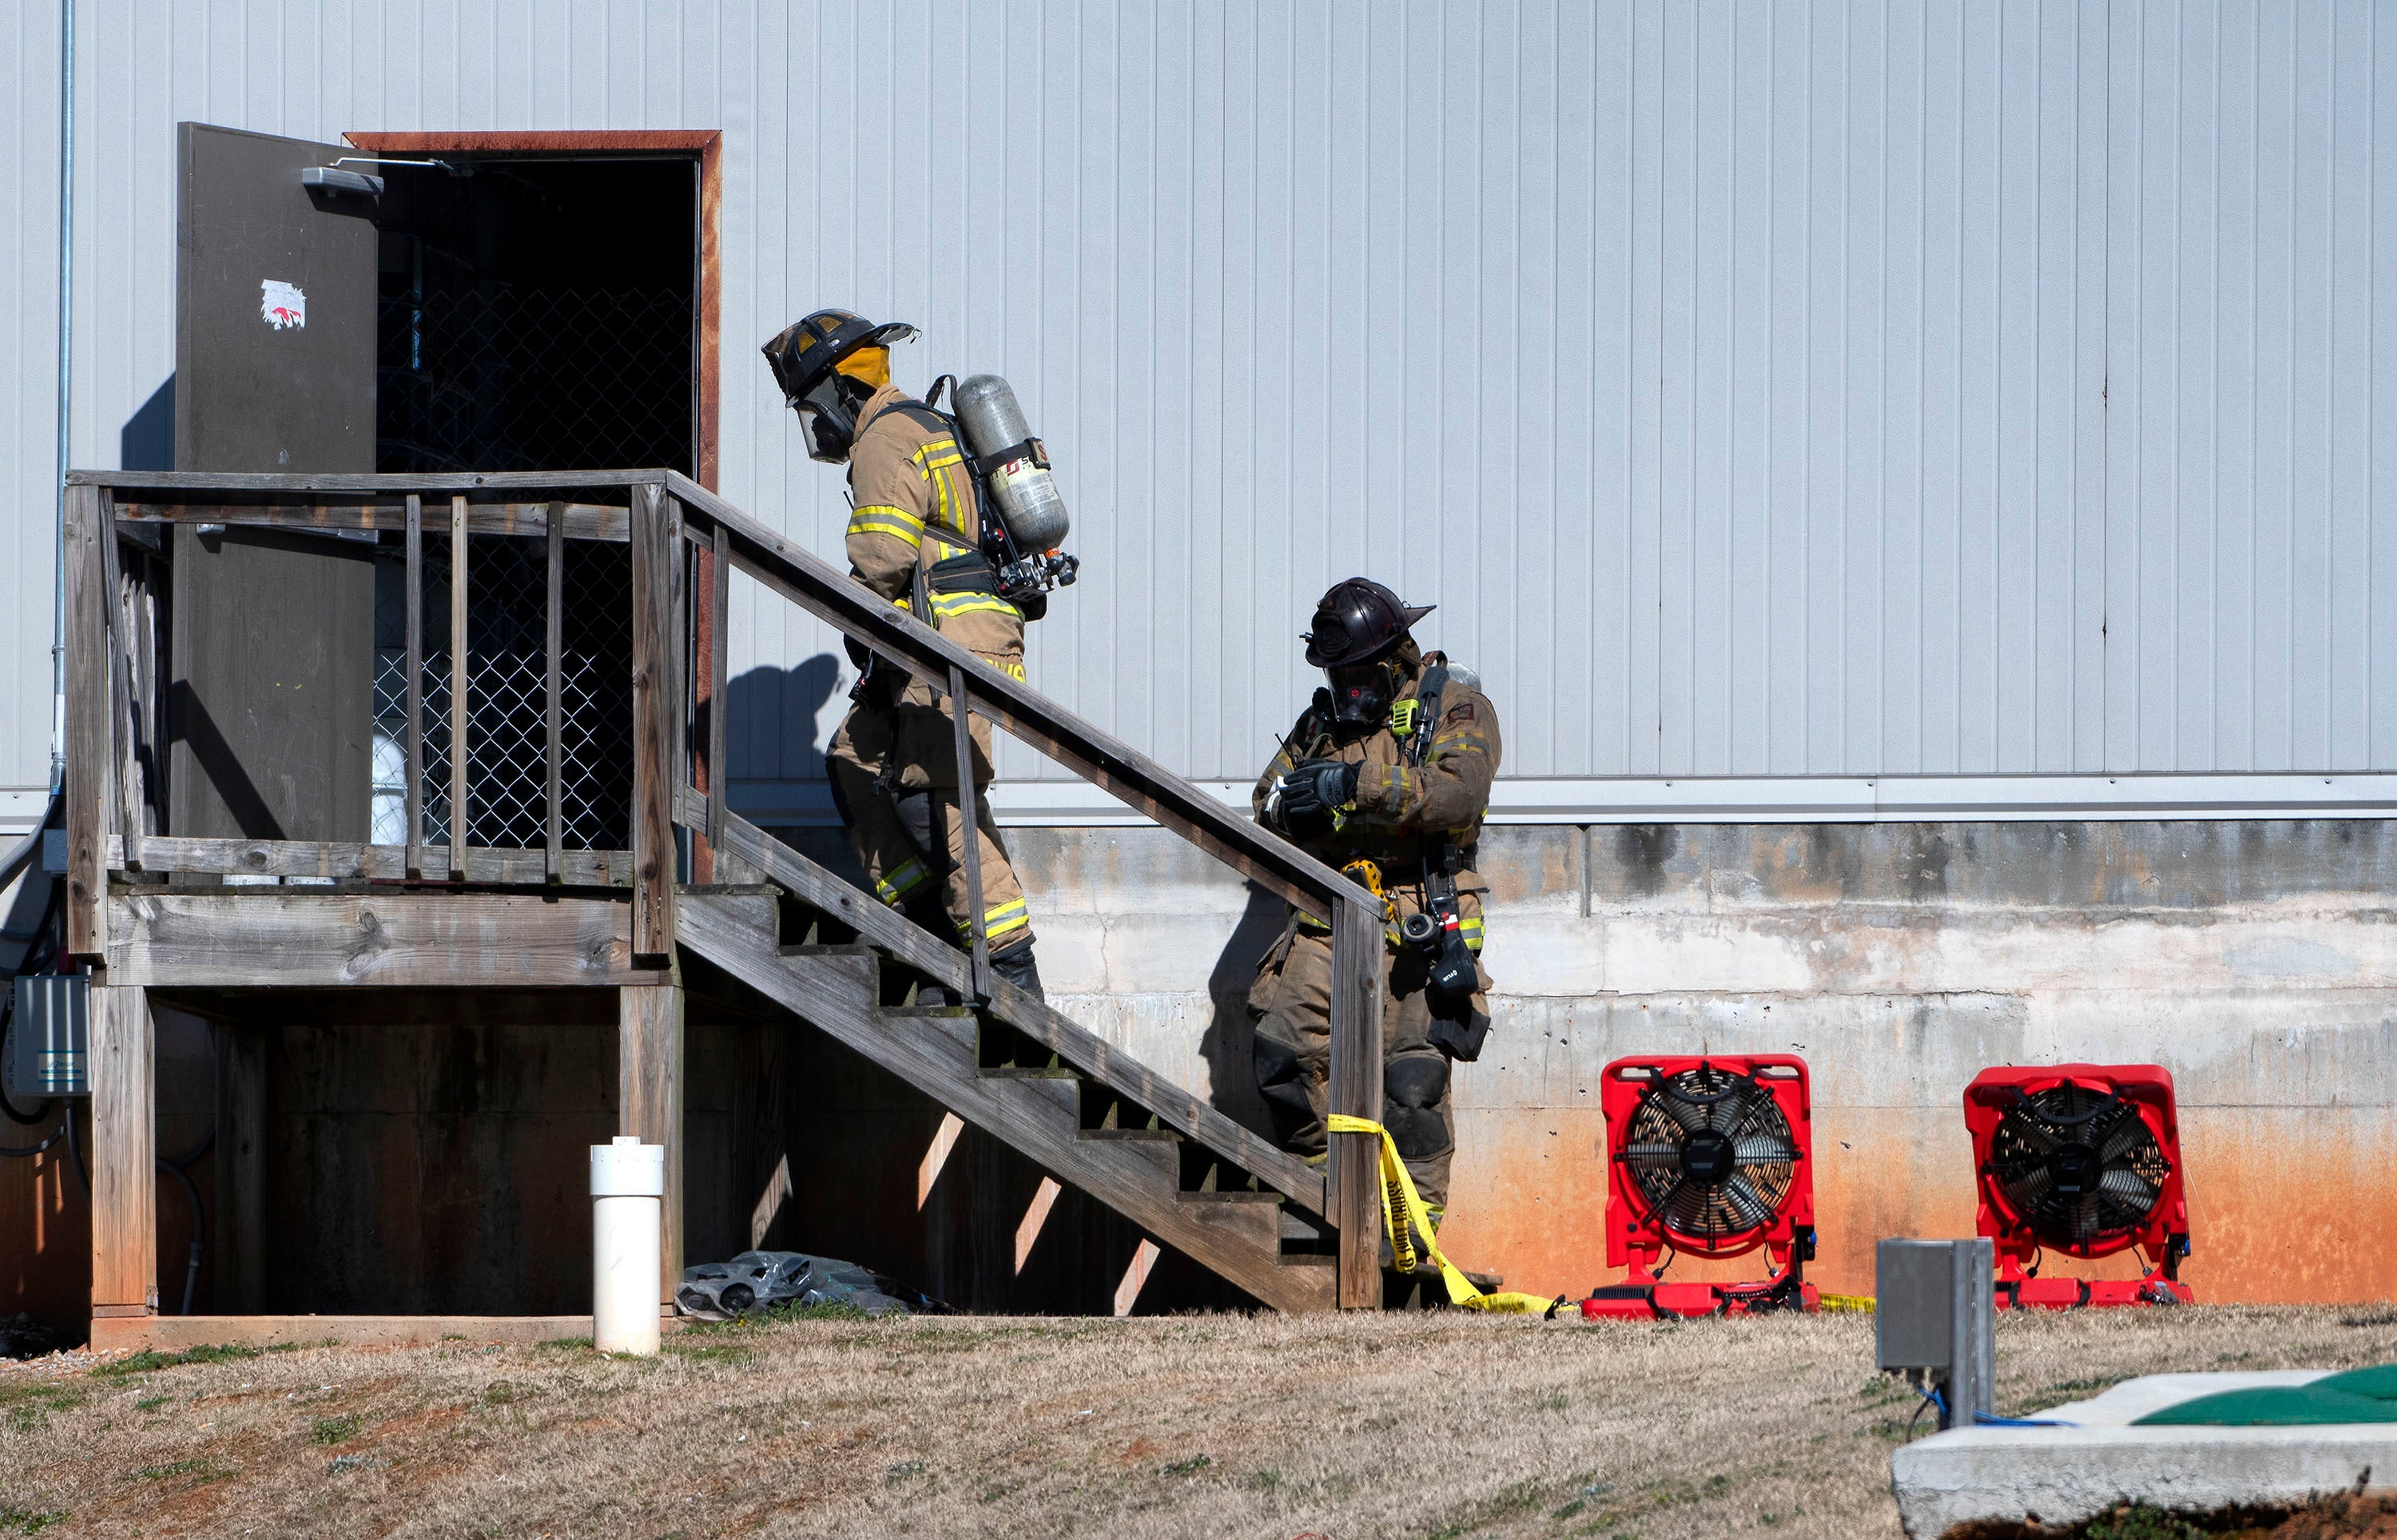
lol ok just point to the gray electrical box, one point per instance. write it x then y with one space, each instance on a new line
49 1038
1935 1321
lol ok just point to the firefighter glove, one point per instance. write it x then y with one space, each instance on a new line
1317 791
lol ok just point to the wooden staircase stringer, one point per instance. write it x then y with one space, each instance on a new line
837 990
893 933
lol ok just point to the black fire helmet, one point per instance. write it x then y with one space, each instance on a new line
1357 621
803 353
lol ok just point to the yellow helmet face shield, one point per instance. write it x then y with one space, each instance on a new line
869 366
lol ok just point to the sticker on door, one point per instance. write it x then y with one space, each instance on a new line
281 304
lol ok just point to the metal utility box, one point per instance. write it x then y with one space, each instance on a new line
49 1038
1935 1321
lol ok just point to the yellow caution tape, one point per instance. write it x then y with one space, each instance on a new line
1399 1197
1858 1303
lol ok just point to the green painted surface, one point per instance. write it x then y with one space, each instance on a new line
2287 1405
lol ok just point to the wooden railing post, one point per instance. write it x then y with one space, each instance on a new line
655 722
1355 1089
415 741
90 765
460 829
553 683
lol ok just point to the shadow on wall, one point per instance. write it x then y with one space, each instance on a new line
772 731
1228 1043
147 440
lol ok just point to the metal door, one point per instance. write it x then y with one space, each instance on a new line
271 704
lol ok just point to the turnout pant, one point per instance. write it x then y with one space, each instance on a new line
894 782
1290 1005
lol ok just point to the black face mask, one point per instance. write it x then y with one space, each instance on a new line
828 412
1361 694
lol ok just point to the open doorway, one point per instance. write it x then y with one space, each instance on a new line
565 312
538 315
542 304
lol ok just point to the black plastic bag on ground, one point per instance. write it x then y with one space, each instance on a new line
755 1282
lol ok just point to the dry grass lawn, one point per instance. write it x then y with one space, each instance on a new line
1439 1425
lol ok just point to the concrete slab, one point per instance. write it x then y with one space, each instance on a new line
2067 1474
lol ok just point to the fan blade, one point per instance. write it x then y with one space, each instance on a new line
2120 1140
1651 1155
1689 1115
2036 1136
1746 1205
2085 1218
1726 1115
1763 1149
2028 1189
2128 1187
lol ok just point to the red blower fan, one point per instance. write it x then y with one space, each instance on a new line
2083 1160
1708 1157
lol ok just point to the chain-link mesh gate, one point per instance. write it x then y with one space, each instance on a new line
506 676
512 378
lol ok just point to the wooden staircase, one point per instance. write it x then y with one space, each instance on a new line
542 926
1081 1108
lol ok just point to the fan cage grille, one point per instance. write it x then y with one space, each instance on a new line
2077 1168
1730 1214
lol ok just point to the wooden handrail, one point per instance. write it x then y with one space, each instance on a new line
665 510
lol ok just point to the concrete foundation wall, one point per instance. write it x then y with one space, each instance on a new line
2256 960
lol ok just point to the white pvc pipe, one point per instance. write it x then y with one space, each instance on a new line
628 1186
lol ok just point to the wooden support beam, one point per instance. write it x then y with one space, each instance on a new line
648 1102
295 938
461 825
655 719
342 862
123 1153
554 748
90 767
1355 1089
169 1333
415 738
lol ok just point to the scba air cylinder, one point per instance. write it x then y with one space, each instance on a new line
1029 501
628 1189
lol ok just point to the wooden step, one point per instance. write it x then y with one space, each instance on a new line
1162 1148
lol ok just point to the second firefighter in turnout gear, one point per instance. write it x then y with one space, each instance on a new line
915 538
1386 774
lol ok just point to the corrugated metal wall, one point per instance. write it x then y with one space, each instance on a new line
1760 389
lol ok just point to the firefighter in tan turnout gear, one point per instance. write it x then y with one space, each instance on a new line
1387 775
915 538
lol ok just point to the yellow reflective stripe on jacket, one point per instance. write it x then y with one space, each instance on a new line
884 519
1007 917
1406 1216
932 463
903 880
948 606
1470 927
935 455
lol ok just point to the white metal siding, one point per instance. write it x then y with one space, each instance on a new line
1767 389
